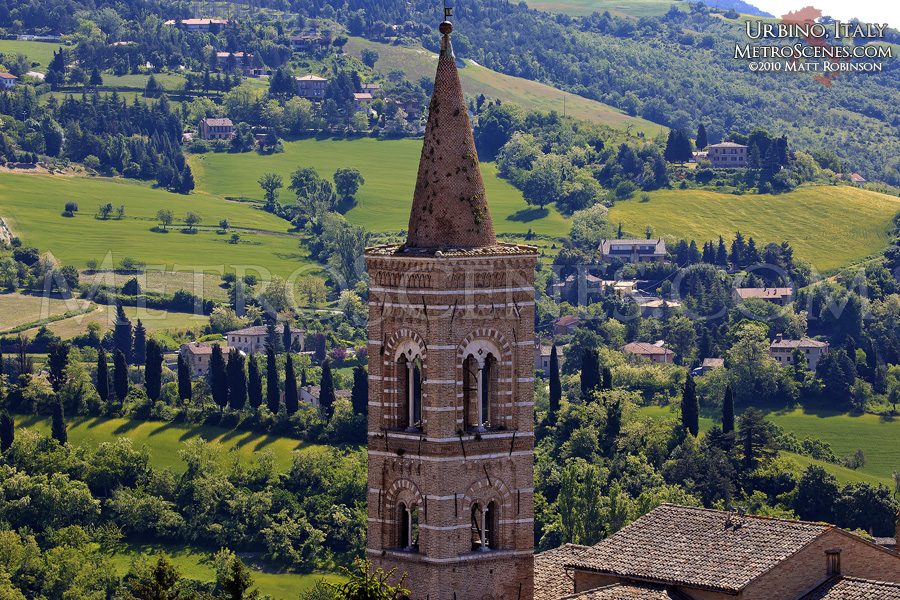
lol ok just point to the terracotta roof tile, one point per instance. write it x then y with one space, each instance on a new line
801 343
698 547
550 579
644 348
851 588
449 206
628 591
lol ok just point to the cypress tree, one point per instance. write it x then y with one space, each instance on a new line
701 137
607 378
57 359
326 392
254 382
273 397
122 335
690 407
722 253
590 372
218 380
728 411
237 380
140 344
272 337
7 431
555 386
184 379
303 382
871 360
120 376
102 376
286 337
153 370
360 393
58 426
291 399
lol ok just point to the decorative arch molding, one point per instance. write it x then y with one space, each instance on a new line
481 338
403 489
484 490
402 340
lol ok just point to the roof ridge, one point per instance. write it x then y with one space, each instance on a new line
763 517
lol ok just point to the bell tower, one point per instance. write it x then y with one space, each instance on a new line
451 401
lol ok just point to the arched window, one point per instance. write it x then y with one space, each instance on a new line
478 538
408 527
485 521
409 387
490 382
470 393
481 392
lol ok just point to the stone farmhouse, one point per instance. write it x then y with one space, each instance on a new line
727 155
782 350
253 339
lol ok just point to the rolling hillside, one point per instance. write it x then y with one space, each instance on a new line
476 79
829 226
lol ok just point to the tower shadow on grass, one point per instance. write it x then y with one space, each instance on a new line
527 215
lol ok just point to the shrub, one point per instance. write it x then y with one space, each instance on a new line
199 146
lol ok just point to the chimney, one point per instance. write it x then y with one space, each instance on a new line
779 337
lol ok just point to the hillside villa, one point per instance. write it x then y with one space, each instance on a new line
656 352
197 355
200 25
633 250
687 553
775 295
566 325
8 81
782 350
708 365
311 86
310 394
235 60
253 339
727 155
542 356
216 129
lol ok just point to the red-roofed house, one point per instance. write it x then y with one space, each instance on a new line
566 325
8 81
311 86
727 155
653 352
216 129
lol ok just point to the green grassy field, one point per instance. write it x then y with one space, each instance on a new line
831 226
876 436
476 79
164 440
389 168
39 52
20 309
169 81
635 8
32 206
153 320
197 563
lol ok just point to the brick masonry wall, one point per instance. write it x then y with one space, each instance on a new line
436 309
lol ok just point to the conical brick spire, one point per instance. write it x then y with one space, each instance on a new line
449 208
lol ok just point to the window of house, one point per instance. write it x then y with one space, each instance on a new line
833 562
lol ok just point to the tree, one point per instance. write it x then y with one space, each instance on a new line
272 338
161 581
139 351
237 380
102 376
104 209
237 583
270 183
57 359
58 424
678 147
153 370
291 398
165 216
286 337
369 57
728 411
347 181
555 387
757 445
273 395
218 378
817 494
7 431
701 137
184 379
369 584
690 407
192 219
122 334
120 375
326 391
544 183
590 372
254 382
359 394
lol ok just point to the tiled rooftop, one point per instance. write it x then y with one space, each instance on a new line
801 343
698 547
636 591
550 579
644 348
851 588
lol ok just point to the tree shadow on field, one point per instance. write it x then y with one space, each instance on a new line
127 426
526 215
165 427
345 204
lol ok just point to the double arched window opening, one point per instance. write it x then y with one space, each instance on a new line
408 529
409 379
485 521
481 382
